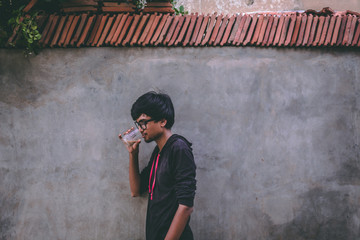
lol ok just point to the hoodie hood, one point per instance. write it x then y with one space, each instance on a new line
174 138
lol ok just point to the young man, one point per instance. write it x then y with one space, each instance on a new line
170 174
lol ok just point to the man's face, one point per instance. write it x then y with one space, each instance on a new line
150 129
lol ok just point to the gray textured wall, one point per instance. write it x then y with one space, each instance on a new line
276 136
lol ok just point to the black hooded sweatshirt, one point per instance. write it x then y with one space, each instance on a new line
170 180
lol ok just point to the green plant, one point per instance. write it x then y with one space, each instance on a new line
180 10
27 29
140 4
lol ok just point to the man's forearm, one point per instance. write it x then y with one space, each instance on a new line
179 222
134 175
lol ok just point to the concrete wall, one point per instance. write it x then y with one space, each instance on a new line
240 6
276 136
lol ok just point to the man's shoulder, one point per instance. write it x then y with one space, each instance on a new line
180 142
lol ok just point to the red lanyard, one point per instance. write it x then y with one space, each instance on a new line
151 190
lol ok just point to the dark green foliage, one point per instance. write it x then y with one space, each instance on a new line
27 29
180 10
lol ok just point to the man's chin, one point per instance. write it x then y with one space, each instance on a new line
148 140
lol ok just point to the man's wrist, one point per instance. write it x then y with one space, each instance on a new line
134 155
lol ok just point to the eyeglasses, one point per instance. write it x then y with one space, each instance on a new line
143 123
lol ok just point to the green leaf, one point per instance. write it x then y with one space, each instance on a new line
33 27
11 21
181 8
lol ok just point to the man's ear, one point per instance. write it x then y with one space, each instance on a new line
163 122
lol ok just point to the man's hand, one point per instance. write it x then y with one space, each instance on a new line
132 148
134 174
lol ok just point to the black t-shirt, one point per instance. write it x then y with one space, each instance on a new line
174 171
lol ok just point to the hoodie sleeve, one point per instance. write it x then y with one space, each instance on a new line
185 172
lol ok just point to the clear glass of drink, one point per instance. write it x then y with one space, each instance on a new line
131 136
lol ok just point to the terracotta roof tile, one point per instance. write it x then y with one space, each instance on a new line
273 31
313 31
52 29
117 7
319 30
342 30
80 9
113 28
139 29
66 30
29 5
291 29
159 28
284 30
40 20
105 32
196 30
302 30
159 7
79 29
240 30
15 33
347 30
85 33
352 31
330 31
100 30
221 30
177 31
357 34
256 34
325 30
94 30
124 29
171 30
262 30
132 29
190 29
216 29
251 30
43 34
119 27
235 29
183 29
72 28
310 28
147 28
228 30
336 30
307 30
278 30
202 30
152 30
209 30
244 30
164 30
58 31
268 30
